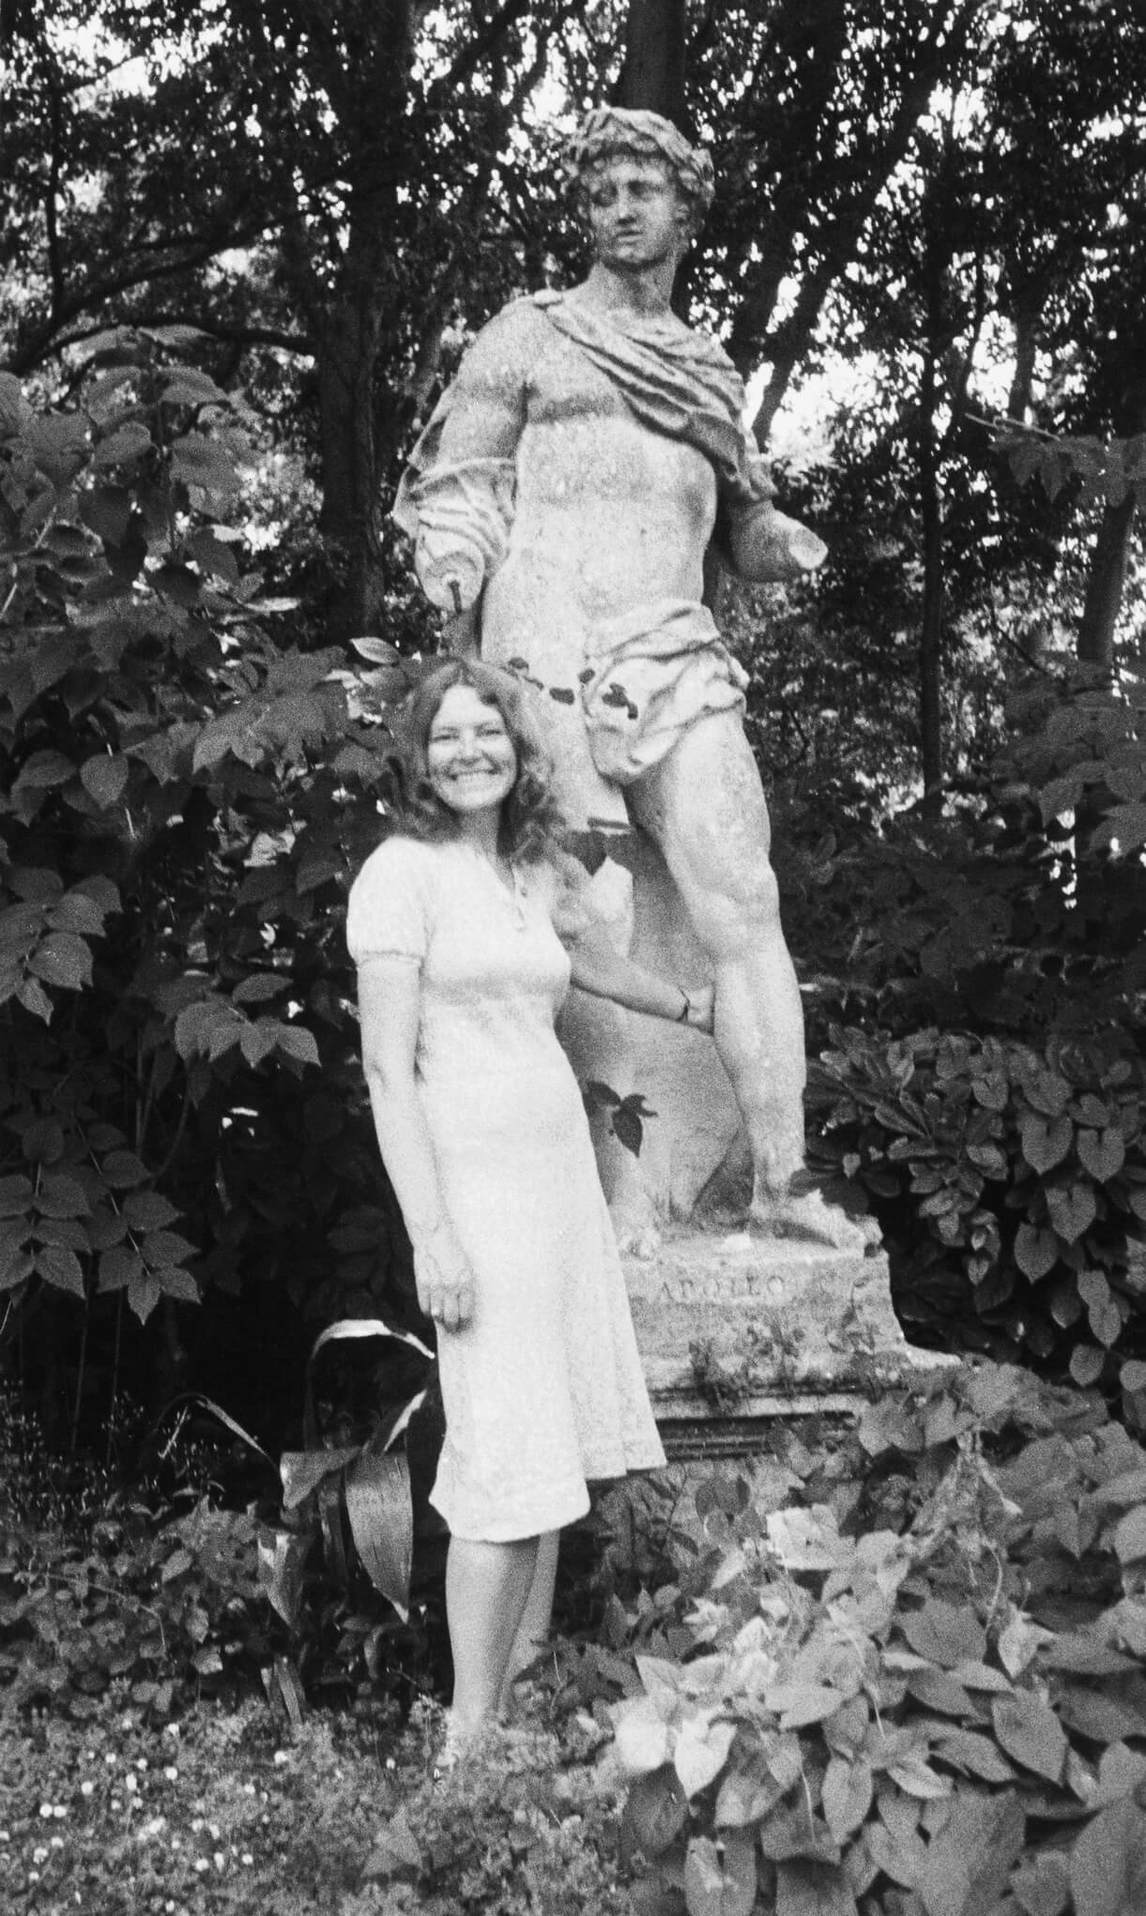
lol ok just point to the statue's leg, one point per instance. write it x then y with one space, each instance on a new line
705 807
597 1037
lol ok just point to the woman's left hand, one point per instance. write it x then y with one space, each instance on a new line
701 1007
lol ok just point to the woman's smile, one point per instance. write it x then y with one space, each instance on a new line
469 754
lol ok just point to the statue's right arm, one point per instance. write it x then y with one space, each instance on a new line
464 498
389 1005
488 397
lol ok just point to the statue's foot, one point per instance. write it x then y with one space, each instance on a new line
636 1231
807 1217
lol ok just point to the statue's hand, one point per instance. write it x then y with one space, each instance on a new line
766 545
446 1288
461 634
701 1007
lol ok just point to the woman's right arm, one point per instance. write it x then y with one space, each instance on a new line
389 991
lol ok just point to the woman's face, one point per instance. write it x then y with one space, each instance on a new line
470 756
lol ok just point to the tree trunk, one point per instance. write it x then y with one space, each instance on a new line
1026 324
1104 584
931 622
652 77
347 358
349 322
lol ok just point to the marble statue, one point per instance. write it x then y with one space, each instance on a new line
562 500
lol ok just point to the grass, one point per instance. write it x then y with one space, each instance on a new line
229 1809
218 1811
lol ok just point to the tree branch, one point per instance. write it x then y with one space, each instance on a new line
836 243
472 55
238 335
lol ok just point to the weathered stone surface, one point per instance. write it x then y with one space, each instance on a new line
678 1071
740 1326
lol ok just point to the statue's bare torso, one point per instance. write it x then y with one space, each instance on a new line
609 517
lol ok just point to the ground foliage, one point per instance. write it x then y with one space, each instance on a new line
892 1668
902 1674
1006 1174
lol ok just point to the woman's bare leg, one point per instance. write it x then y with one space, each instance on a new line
487 1588
536 1618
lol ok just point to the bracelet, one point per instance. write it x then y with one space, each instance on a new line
683 1016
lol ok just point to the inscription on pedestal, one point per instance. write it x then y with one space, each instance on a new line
741 1326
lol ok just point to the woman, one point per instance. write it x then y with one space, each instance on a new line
457 924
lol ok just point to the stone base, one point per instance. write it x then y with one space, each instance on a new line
735 1329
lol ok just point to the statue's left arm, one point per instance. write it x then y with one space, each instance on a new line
761 544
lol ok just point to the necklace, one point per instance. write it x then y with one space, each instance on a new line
508 879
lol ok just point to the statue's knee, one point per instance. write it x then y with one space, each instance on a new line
757 899
731 920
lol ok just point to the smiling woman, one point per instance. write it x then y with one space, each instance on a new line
467 930
470 758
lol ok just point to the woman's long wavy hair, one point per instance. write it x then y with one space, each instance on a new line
530 819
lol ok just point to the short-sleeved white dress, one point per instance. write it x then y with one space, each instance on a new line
543 1388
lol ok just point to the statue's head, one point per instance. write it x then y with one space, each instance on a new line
613 132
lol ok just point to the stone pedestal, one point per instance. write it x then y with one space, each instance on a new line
735 1330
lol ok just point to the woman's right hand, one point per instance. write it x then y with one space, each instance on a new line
444 1278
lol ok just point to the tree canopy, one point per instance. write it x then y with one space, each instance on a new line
335 196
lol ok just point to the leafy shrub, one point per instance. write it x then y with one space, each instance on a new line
309 1592
518 1828
1019 911
1010 1184
345 1533
185 796
901 1677
152 1605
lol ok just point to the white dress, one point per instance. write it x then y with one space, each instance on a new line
543 1388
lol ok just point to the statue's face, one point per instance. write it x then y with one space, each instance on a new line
637 215
470 758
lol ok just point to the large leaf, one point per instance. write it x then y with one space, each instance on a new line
970 1858
1108 1863
807 1888
1103 1153
798 1704
720 1880
847 1795
353 1329
1046 1141
656 1810
701 1752
643 1738
303 1470
977 1755
381 1513
1072 1209
1130 1536
1031 1733
282 1556
945 1633
1042 1887
1036 1251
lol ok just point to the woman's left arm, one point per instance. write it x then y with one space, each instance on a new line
604 973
